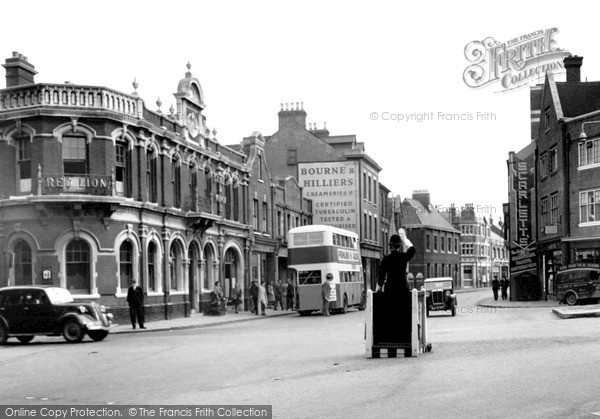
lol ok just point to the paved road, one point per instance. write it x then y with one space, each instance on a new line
492 363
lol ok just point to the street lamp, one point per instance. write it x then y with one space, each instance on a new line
583 136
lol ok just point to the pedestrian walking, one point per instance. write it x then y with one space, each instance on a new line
290 297
271 295
254 294
326 294
391 277
262 296
135 298
279 295
495 287
504 286
236 295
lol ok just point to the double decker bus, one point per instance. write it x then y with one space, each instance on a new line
316 250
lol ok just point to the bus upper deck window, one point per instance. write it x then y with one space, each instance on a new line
315 238
300 239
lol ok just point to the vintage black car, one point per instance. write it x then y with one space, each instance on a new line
440 295
28 311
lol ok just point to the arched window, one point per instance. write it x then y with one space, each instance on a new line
228 201
23 263
193 198
151 178
208 176
175 256
24 163
77 260
152 266
176 179
125 264
123 169
236 203
75 155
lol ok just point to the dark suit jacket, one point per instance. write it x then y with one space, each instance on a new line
135 296
392 272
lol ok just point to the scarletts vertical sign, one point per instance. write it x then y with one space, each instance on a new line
522 246
333 188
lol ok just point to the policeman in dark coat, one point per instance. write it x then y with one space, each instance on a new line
135 298
496 287
392 271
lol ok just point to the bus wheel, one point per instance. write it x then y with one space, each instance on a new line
304 313
571 299
344 309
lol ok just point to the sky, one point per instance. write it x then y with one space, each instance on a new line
352 64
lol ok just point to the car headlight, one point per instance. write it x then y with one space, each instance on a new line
427 294
83 309
448 293
102 309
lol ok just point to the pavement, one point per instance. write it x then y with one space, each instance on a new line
561 310
198 320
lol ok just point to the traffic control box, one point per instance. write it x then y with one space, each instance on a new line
391 325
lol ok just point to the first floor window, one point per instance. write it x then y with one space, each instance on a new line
589 206
74 153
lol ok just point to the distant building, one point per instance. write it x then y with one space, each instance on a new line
337 175
483 255
274 206
436 241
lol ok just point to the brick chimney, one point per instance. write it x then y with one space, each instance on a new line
423 197
292 116
573 67
18 70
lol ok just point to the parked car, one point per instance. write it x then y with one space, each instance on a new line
440 295
578 283
28 311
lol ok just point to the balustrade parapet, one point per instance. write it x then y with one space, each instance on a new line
70 96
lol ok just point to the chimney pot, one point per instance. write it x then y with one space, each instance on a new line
573 68
18 70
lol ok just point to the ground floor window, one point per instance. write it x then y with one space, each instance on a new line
78 266
23 263
126 264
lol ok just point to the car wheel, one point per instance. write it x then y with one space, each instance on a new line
72 331
427 312
3 335
25 339
97 335
453 309
344 309
571 299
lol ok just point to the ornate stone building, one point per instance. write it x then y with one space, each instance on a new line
98 189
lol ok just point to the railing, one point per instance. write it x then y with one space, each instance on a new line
197 203
69 96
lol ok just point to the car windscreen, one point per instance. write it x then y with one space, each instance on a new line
59 295
437 284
